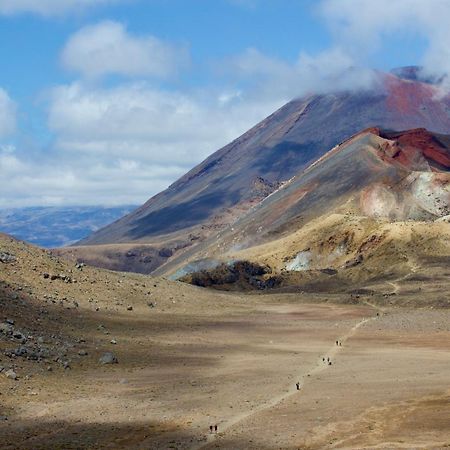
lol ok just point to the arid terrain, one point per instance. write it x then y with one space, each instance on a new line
189 358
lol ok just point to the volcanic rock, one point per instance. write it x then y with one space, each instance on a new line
108 358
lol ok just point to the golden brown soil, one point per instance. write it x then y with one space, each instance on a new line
190 358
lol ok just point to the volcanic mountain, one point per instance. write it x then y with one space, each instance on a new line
238 176
377 203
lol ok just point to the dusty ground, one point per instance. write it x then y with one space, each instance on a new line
190 358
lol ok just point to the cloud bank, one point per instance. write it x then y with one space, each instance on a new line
107 48
121 142
120 145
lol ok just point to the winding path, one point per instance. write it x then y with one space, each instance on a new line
319 367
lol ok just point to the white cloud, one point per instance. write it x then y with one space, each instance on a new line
361 26
330 70
48 7
7 114
107 48
78 179
122 145
149 124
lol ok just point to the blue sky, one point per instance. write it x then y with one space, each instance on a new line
109 101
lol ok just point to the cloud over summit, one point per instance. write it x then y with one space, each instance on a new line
362 27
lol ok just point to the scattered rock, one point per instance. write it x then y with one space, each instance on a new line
6 257
129 308
61 277
19 335
6 328
20 351
329 271
165 252
11 374
108 358
354 262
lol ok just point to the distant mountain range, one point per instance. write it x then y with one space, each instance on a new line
57 226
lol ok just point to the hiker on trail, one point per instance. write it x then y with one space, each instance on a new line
210 428
337 342
215 428
340 344
328 359
323 359
298 385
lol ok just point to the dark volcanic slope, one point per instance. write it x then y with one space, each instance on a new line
278 148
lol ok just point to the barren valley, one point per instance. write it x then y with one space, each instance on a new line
189 358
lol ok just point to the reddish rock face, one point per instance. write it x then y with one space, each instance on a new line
417 144
286 143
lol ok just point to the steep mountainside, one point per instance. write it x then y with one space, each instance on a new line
277 149
350 204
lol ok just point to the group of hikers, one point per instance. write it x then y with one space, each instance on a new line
326 360
213 428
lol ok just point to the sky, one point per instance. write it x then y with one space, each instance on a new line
108 102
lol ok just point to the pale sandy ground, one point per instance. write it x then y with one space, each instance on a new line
200 358
388 388
388 385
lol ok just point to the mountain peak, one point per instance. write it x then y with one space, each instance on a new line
416 73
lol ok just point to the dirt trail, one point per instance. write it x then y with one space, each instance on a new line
395 284
319 367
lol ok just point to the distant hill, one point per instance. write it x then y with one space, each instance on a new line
58 226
